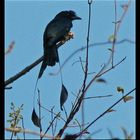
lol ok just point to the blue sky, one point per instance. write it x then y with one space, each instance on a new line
25 22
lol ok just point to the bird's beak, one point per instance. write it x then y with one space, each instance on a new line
76 18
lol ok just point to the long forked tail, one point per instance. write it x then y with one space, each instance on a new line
43 67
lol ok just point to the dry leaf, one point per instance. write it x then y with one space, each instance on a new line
101 80
111 110
10 47
128 98
111 38
120 89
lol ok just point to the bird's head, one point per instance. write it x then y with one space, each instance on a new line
68 14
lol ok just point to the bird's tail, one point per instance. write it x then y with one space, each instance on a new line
43 67
50 58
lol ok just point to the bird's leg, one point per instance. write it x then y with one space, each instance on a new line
67 37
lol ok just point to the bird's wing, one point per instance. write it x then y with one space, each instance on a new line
56 30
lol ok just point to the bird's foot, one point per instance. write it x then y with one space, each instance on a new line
70 35
67 37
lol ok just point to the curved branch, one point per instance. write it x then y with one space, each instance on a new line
28 68
90 46
24 71
108 109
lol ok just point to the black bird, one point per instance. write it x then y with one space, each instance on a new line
56 31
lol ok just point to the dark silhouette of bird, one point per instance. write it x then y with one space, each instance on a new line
55 32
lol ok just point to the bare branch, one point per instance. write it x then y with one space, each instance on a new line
87 57
109 109
98 97
28 68
19 130
90 46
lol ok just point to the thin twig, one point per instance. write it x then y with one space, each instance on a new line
39 103
80 60
55 126
23 128
81 64
114 35
28 68
51 124
117 26
101 72
90 46
65 111
77 104
53 113
87 57
97 97
123 15
52 120
109 109
60 117
112 67
12 135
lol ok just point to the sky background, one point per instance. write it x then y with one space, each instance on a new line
25 22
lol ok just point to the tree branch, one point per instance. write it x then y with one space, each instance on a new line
19 130
109 109
28 68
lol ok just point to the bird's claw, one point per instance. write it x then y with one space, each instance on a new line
67 37
70 35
